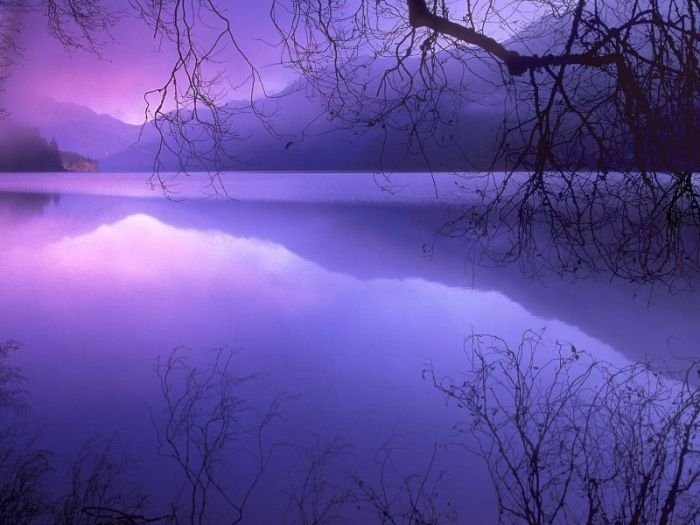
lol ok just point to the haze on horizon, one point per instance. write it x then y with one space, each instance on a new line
128 62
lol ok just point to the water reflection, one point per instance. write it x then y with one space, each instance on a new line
15 207
337 306
398 242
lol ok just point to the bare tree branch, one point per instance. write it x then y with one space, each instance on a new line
569 439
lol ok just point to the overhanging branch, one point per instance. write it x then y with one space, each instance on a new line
517 64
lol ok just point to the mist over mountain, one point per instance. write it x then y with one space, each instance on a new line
305 136
300 130
77 128
323 148
290 131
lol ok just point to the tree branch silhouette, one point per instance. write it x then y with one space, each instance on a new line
571 439
212 436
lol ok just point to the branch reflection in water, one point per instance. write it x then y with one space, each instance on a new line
335 312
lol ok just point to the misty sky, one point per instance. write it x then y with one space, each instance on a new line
133 62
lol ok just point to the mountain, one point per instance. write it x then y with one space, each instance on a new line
76 162
458 129
77 128
305 137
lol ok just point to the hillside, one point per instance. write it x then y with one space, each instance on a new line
77 128
306 138
76 162
23 148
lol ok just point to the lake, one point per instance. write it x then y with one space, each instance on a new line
332 293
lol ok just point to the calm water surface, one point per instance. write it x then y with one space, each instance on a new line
321 284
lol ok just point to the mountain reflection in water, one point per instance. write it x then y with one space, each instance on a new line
338 305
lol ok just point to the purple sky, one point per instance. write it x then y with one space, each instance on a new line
133 63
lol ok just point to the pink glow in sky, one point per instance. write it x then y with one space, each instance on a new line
133 62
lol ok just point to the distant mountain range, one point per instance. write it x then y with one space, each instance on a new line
459 131
77 128
304 138
462 137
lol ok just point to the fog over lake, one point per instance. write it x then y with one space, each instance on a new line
335 290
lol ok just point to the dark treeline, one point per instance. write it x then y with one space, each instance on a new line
24 149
